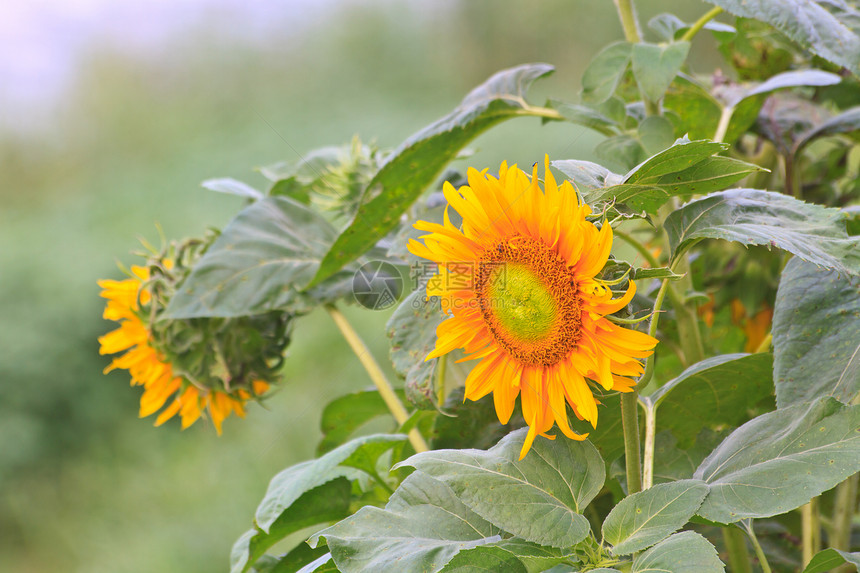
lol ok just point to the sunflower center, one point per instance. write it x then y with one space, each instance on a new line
529 300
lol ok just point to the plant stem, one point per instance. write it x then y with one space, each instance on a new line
627 15
811 530
649 406
723 126
736 545
765 344
843 512
700 23
630 423
759 552
375 372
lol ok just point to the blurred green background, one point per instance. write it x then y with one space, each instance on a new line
153 102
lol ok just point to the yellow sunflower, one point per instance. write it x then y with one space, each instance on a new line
518 282
148 367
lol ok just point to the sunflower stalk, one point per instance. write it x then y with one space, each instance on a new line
759 552
650 407
386 391
810 526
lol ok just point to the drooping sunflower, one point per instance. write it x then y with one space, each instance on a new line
518 281
209 367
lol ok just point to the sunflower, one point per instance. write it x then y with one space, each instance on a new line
126 303
518 281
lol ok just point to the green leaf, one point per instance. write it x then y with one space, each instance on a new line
830 559
421 158
828 29
686 168
696 111
483 559
685 552
324 503
669 27
656 65
645 518
586 175
412 334
621 150
345 414
587 117
264 256
715 392
538 498
323 564
656 133
287 486
752 217
845 122
745 103
298 557
671 463
603 73
232 187
422 528
780 460
816 335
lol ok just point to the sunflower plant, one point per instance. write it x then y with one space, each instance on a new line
651 363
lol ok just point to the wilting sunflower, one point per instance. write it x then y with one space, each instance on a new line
518 279
205 366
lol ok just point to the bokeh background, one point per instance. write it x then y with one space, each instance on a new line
111 113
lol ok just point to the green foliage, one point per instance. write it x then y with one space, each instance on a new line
532 498
345 414
830 559
260 262
603 74
645 518
830 29
655 66
413 166
686 552
816 335
751 217
780 460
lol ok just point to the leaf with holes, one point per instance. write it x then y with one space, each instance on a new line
420 159
816 335
752 217
780 460
539 498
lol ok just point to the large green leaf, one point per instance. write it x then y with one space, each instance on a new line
780 460
830 29
421 158
715 392
696 111
422 528
656 65
845 122
687 168
287 486
816 335
325 503
412 335
345 414
642 519
484 558
603 73
685 552
753 217
262 259
539 498
830 559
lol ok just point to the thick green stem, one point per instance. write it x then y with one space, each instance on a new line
736 546
630 423
759 552
395 406
843 512
627 15
700 23
811 530
650 407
